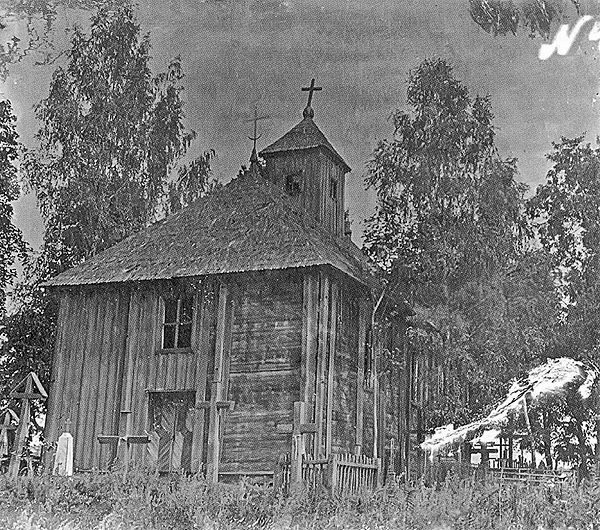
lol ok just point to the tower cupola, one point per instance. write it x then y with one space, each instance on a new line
307 166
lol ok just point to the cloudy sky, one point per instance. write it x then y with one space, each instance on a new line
241 53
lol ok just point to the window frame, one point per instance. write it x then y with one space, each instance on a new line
177 324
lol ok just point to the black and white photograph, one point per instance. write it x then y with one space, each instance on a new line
300 264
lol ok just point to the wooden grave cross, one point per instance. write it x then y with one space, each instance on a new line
128 439
391 465
28 389
10 423
215 408
300 428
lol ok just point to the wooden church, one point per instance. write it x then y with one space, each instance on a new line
198 335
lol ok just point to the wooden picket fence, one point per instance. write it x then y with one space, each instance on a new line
353 474
343 474
530 476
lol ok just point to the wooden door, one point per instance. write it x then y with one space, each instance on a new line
172 424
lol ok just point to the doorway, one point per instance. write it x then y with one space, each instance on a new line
171 417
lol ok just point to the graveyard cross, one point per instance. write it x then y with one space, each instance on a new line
129 440
10 423
215 409
310 89
300 428
391 466
26 392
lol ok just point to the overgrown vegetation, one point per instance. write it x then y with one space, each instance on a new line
149 502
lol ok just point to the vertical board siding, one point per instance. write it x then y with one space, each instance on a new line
54 419
89 349
264 372
315 168
204 333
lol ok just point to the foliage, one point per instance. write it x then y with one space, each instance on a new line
191 183
39 17
450 230
110 138
147 501
566 209
30 330
500 17
112 134
11 241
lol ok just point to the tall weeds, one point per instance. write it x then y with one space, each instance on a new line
146 501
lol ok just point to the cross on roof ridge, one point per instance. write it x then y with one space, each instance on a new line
254 137
308 110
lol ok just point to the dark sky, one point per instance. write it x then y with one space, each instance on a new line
240 53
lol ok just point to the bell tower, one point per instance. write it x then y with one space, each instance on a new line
309 169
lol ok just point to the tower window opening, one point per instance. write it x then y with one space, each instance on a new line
292 184
333 189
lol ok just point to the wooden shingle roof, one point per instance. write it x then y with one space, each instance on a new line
248 225
304 135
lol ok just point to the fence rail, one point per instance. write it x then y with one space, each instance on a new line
343 474
530 476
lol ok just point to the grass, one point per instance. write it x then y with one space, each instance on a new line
145 501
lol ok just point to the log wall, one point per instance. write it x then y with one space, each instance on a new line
264 377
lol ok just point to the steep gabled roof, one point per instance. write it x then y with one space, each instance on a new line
248 225
305 135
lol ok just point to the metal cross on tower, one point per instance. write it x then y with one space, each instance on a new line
255 137
311 89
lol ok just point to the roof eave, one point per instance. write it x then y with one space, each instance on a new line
266 153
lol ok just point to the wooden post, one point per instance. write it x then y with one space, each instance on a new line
297 445
322 360
332 473
220 380
374 349
202 331
360 383
310 316
331 364
408 380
